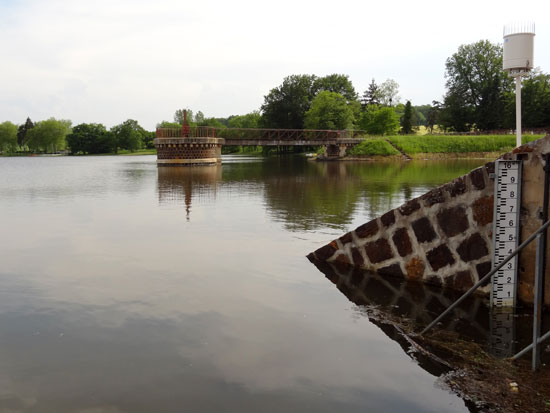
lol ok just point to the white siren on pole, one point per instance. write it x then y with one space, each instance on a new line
518 48
517 60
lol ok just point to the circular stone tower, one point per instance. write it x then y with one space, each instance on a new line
196 145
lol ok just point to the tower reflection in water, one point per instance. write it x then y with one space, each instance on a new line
177 185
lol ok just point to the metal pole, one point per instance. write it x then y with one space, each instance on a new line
530 346
518 110
537 296
486 277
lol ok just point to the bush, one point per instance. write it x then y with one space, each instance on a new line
372 147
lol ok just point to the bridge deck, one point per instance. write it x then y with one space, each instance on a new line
265 137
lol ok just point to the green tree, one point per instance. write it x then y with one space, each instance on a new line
476 85
337 83
286 105
91 138
372 95
432 117
178 116
166 124
389 93
250 120
129 135
535 100
48 135
8 137
407 120
22 132
329 110
379 121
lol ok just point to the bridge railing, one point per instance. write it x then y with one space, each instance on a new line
193 131
259 134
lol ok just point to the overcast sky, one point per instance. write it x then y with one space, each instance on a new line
105 61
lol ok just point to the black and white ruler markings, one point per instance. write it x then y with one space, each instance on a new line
506 231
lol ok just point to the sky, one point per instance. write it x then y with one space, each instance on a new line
105 61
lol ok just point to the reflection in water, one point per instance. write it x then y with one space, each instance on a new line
177 184
415 301
307 196
500 331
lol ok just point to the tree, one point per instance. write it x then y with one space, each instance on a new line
178 116
535 100
406 122
91 138
432 117
250 120
329 110
372 95
166 124
379 121
129 135
22 132
48 135
285 106
476 85
335 83
8 137
389 93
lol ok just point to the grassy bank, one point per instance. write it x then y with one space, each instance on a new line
373 147
457 144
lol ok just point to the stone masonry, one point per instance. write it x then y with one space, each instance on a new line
444 237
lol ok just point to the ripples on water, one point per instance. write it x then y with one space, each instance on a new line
127 287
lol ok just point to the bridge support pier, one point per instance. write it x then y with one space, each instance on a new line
335 151
187 151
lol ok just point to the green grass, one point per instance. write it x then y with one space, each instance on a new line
137 152
457 144
373 147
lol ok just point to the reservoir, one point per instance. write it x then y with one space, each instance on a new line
127 287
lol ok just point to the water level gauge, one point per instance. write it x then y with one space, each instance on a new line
506 231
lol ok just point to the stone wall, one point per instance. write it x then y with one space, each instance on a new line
444 237
175 151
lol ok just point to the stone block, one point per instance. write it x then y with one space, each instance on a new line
423 230
388 218
483 269
477 178
435 196
378 250
472 248
408 208
461 281
367 230
457 187
358 259
453 221
483 210
346 238
415 268
490 168
341 262
393 270
440 257
402 242
434 280
324 253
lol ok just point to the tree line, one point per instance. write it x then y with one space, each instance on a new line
53 135
479 96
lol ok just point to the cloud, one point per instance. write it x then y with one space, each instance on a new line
108 61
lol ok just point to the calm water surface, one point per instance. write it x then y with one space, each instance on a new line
130 288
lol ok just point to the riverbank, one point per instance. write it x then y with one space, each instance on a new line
435 147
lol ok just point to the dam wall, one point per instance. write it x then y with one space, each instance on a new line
444 237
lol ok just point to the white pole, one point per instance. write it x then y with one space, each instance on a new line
518 111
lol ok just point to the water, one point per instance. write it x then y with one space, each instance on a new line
127 287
